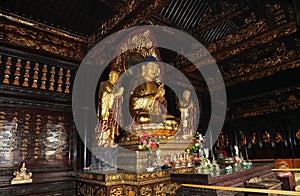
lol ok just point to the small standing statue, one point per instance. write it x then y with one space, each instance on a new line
221 141
254 139
243 140
298 134
279 138
22 176
108 108
186 107
266 137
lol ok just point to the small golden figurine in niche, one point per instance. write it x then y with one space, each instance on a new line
16 81
34 84
18 64
22 176
8 61
27 65
45 69
221 140
17 72
298 134
278 137
67 90
243 140
36 67
7 70
52 70
25 83
266 137
6 79
26 73
253 139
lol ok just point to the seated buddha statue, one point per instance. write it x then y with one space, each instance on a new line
147 104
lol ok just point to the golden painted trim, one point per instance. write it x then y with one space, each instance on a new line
237 189
286 170
102 183
44 27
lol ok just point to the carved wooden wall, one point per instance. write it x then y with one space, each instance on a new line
36 123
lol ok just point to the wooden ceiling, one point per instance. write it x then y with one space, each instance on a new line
250 39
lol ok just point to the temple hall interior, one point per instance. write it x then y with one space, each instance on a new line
149 97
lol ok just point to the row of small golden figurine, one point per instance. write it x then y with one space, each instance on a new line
37 139
266 138
36 67
35 76
181 160
25 140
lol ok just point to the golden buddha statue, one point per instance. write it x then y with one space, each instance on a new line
243 140
22 176
221 140
147 103
266 137
278 137
254 139
298 134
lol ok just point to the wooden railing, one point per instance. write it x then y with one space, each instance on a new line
238 189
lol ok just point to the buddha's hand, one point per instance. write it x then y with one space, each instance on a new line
160 91
119 92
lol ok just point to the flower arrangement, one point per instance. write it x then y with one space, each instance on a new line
238 159
197 143
148 142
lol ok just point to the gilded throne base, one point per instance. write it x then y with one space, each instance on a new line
130 158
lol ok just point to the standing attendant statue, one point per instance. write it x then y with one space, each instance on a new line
186 107
109 104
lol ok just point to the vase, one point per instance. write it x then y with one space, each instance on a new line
149 161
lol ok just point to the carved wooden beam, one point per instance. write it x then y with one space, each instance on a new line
221 51
203 27
22 32
263 38
266 103
263 73
134 13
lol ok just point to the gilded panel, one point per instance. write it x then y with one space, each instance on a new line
41 38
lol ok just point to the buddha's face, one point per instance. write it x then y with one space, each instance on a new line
113 77
150 71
